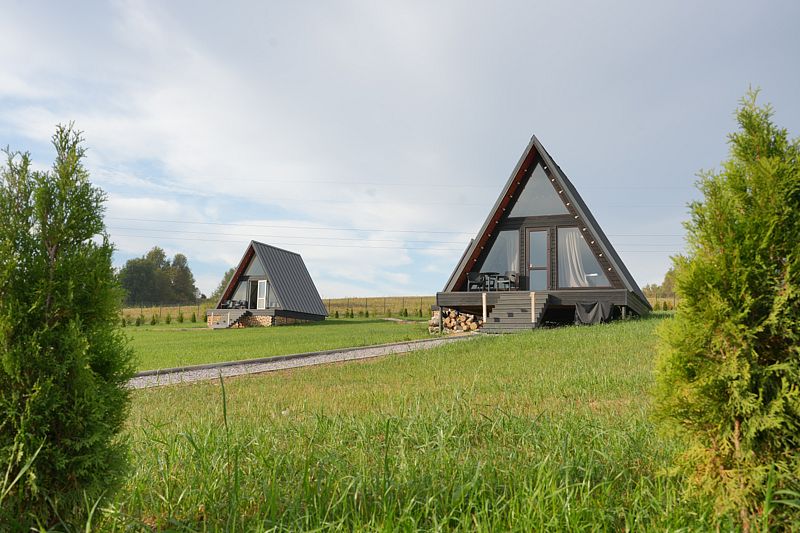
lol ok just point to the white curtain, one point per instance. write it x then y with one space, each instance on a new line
570 266
512 254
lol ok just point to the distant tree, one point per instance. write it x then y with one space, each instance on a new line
65 363
182 281
226 278
728 374
666 289
153 279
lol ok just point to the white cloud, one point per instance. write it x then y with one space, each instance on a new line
405 117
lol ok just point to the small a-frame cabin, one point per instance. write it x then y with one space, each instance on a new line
541 256
270 287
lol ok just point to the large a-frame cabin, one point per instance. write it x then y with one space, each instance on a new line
270 287
541 256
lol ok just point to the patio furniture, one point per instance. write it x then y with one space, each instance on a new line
475 281
490 280
507 282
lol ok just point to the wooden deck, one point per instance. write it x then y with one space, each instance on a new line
512 309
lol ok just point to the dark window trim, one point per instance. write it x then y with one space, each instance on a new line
548 261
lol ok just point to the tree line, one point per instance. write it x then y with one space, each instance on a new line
154 279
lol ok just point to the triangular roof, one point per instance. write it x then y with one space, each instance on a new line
288 277
576 206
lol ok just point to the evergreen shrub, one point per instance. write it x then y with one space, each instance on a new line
728 374
65 362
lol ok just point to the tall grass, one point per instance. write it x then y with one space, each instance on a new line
545 430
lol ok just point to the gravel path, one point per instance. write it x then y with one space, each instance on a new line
172 376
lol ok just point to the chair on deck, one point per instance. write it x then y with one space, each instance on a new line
474 281
507 282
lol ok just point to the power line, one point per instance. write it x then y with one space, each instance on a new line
329 228
316 245
281 236
332 228
245 239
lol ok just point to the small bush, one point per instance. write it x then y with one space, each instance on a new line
366 313
168 320
154 320
405 312
336 314
194 317
389 313
122 322
180 317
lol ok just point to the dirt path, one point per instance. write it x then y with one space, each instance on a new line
172 376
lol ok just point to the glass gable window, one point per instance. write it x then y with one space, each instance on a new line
538 197
503 256
255 268
577 264
241 292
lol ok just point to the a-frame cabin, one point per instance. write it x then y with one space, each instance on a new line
270 287
541 256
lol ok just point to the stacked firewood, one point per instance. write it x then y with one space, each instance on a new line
453 322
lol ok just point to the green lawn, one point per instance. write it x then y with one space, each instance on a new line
165 346
540 431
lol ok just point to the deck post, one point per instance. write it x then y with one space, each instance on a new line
624 312
533 307
229 319
483 301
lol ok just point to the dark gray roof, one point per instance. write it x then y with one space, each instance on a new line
290 280
580 206
586 215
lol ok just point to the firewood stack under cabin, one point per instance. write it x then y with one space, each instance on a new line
454 322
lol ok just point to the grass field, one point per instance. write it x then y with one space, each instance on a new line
165 346
545 431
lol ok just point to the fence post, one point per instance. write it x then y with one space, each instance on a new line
384 307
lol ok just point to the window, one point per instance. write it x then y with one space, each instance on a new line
241 292
577 264
255 268
503 255
538 197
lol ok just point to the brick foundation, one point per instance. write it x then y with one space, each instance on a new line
261 321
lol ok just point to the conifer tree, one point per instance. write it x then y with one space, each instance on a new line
728 377
64 361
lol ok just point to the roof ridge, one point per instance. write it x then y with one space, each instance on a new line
274 247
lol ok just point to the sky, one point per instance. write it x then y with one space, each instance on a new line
373 137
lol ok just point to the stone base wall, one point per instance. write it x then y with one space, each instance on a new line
260 321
